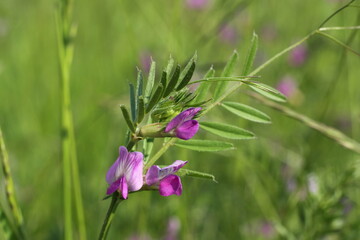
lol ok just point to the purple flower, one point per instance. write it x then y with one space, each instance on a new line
126 173
164 178
197 4
183 125
228 34
298 55
287 86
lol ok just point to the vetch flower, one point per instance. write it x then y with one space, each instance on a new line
183 125
125 175
165 179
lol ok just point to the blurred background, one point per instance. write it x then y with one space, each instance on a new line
289 183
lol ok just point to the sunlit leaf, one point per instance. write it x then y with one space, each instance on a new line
226 130
228 71
191 173
267 91
187 73
204 87
251 55
150 82
204 145
246 112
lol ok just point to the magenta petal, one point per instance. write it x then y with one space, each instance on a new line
152 175
113 187
187 130
112 172
133 169
181 118
170 185
123 188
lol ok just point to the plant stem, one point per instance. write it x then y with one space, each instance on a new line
115 201
10 190
330 132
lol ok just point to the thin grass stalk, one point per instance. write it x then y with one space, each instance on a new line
66 32
330 132
10 190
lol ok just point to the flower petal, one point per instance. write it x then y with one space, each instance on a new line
113 187
112 173
133 169
155 174
181 118
123 188
187 130
170 185
152 175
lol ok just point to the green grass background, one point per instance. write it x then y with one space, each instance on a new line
112 37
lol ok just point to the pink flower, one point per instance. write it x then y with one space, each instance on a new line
228 34
287 86
298 55
183 125
197 4
165 179
126 173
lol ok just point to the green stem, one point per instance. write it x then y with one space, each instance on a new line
330 132
109 216
159 153
338 42
10 190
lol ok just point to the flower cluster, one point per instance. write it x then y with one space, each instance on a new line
126 174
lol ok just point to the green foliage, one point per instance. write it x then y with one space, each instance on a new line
246 112
227 131
204 145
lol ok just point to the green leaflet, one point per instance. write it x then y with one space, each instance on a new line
150 82
191 173
251 55
187 73
246 112
173 81
204 145
227 131
267 91
204 87
170 65
228 71
126 115
132 101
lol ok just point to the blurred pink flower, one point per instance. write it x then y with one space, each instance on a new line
287 86
298 55
197 4
173 228
228 34
145 61
267 230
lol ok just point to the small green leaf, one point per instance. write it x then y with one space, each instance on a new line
150 82
246 112
204 145
170 66
141 109
204 87
251 55
139 83
128 121
173 81
132 101
227 131
155 98
187 73
191 173
227 72
267 91
163 80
